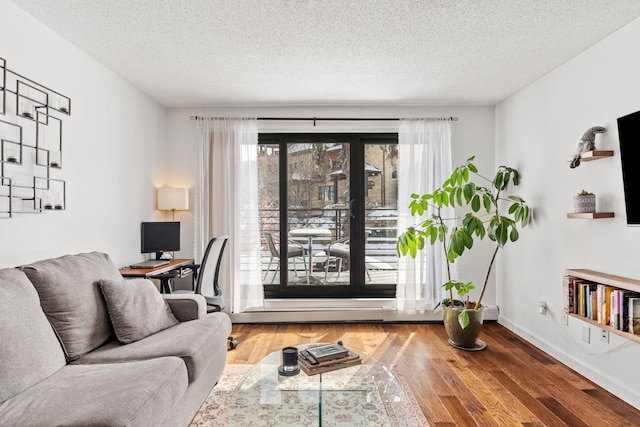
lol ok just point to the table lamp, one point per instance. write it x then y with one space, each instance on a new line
173 199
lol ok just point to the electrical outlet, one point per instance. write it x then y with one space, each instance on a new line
586 334
604 335
565 319
542 307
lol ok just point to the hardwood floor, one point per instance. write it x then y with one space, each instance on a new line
511 383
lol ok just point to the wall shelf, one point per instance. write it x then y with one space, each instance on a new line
591 215
595 155
608 280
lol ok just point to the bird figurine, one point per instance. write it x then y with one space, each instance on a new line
587 143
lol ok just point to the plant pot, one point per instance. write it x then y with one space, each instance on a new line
584 203
463 338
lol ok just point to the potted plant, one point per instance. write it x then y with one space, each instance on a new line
584 202
487 217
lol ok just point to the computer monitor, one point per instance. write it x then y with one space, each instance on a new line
159 237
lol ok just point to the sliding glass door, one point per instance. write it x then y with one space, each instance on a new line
328 214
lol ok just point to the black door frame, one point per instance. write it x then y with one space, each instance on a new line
358 288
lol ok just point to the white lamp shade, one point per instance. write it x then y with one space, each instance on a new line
173 199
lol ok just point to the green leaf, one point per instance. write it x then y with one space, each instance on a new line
518 212
433 233
457 244
475 203
513 208
502 233
488 201
465 175
463 319
469 190
497 182
516 177
472 168
414 196
513 236
526 217
459 196
505 183
468 240
445 199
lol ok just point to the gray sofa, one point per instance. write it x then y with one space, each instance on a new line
62 363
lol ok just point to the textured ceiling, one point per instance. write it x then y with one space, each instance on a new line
279 52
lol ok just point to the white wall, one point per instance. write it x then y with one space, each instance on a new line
113 151
537 129
472 134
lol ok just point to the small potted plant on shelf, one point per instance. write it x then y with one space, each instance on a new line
462 317
584 202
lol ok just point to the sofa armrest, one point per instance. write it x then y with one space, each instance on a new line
186 306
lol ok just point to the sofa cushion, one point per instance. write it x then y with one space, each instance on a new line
29 348
136 308
194 341
71 298
120 394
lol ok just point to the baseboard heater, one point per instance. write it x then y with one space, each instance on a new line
310 314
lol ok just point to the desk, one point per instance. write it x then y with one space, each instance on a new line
310 233
174 264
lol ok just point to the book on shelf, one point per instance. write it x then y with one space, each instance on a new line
604 304
350 359
614 321
634 315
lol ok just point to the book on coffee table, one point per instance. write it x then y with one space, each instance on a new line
325 352
350 359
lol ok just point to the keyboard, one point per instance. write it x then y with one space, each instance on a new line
152 263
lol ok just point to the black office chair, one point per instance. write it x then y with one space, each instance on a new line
205 278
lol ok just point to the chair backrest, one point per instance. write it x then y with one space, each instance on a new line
207 284
272 246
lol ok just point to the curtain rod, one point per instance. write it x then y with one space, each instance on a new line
318 119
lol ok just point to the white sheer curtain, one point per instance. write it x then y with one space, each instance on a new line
226 203
424 158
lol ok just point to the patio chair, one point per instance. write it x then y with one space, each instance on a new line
294 250
339 251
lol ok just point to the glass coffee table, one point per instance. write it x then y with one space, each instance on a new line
363 395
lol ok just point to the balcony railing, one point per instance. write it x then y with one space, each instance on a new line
380 246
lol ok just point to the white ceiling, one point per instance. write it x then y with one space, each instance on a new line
283 52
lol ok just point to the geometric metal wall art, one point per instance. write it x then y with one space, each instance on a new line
30 145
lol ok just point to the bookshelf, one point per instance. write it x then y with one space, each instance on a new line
609 280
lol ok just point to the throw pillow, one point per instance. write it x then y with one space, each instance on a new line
136 309
70 297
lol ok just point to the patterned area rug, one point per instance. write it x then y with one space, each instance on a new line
213 411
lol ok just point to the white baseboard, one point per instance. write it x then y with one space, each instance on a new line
632 397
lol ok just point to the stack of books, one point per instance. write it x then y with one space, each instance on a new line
326 357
